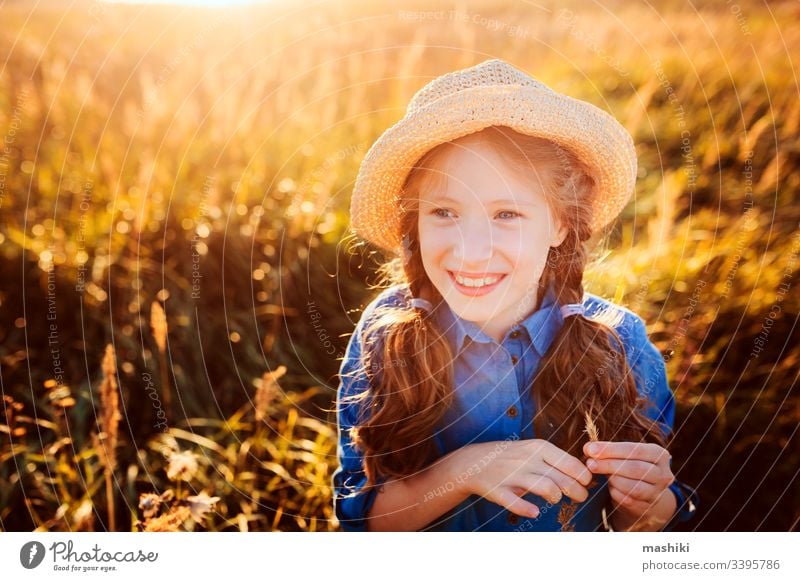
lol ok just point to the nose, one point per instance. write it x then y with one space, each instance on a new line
475 244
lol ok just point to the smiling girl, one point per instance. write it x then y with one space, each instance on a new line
467 382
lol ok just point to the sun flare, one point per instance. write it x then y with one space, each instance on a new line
199 3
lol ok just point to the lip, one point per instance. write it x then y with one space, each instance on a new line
476 291
479 275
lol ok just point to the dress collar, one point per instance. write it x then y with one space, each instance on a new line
542 326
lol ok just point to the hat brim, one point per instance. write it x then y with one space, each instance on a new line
593 135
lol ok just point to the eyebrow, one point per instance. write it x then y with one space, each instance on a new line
504 202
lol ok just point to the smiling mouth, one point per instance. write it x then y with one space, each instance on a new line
476 281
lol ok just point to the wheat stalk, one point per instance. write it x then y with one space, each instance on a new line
568 509
158 323
106 441
591 428
594 436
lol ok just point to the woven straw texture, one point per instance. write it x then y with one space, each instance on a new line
469 100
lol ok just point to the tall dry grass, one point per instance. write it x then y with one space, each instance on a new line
107 440
158 324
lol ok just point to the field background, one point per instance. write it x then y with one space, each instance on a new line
175 182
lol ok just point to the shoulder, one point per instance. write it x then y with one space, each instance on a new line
645 359
630 327
389 298
393 296
353 367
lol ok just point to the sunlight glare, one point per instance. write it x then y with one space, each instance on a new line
199 3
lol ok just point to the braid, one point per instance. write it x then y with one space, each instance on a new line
413 385
585 370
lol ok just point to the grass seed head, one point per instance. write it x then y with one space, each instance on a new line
158 322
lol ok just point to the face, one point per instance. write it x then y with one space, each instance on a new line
484 239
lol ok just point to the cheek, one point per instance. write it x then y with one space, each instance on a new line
429 251
529 252
432 241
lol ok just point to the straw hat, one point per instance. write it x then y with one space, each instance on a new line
463 102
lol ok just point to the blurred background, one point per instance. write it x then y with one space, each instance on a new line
177 284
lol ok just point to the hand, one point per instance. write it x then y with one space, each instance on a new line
503 472
639 473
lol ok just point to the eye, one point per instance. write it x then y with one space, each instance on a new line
440 213
512 214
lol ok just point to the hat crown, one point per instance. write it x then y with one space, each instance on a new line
491 73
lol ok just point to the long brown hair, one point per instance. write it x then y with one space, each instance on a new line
409 362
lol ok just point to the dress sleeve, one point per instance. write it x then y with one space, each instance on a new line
351 500
650 374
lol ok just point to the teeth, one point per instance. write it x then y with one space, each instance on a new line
476 282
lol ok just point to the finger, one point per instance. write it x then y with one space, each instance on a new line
635 488
506 498
643 451
628 502
567 464
629 468
567 484
541 486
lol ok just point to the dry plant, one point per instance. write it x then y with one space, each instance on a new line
182 466
591 428
569 508
11 409
268 391
150 503
106 440
158 323
169 521
177 510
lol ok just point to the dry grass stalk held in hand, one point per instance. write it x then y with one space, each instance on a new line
568 509
591 428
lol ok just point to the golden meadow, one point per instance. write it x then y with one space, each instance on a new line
177 285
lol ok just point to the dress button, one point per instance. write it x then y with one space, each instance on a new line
513 519
514 359
512 411
515 334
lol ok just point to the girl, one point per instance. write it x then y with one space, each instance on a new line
469 382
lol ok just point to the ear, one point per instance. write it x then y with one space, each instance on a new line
559 234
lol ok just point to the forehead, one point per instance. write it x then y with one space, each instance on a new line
486 190
469 176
